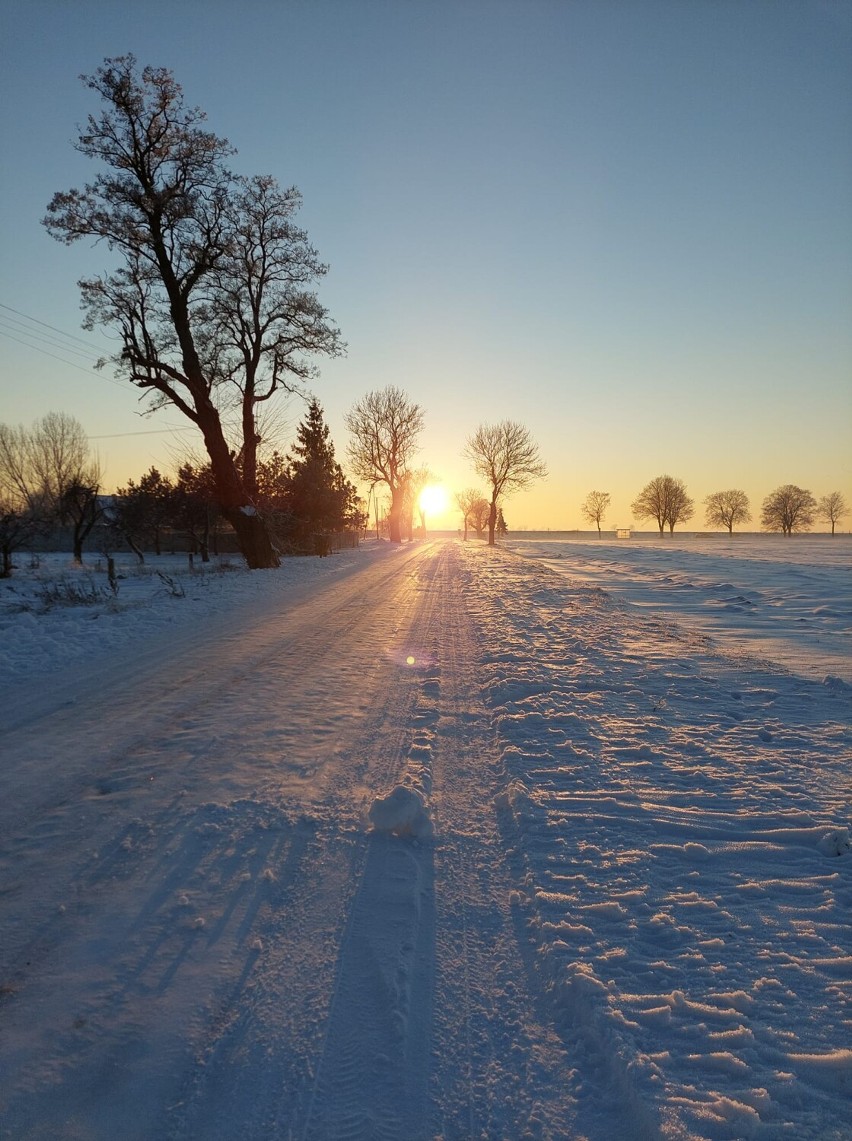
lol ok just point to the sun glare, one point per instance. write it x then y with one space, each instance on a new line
433 500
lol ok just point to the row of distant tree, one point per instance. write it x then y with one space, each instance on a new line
49 479
665 500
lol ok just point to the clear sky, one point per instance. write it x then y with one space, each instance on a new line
625 223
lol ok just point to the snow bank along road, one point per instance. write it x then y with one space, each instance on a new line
626 915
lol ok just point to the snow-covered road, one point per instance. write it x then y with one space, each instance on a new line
628 917
203 938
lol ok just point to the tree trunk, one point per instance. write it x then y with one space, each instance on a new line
204 541
251 531
7 563
395 517
253 538
250 442
492 522
128 538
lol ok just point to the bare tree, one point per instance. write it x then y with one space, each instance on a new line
725 508
80 509
211 299
20 519
48 476
384 427
480 514
15 482
18 525
664 499
788 509
57 457
265 322
595 506
832 508
507 458
474 508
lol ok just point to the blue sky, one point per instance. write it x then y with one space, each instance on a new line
626 224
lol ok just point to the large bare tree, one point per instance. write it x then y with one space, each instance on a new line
507 458
832 508
265 323
212 297
727 508
665 500
595 506
787 509
384 427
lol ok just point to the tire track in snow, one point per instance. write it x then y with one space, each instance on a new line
244 960
314 1085
148 698
492 1043
92 775
372 1078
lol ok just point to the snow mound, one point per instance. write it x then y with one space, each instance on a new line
835 843
835 683
402 813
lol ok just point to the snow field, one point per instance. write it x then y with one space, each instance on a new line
787 601
679 824
39 636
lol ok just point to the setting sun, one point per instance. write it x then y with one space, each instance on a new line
433 500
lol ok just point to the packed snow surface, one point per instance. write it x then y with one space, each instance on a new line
438 841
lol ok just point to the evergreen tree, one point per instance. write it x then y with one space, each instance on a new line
195 506
141 511
273 486
320 496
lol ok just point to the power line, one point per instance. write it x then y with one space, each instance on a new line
68 348
71 364
35 320
20 328
150 432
